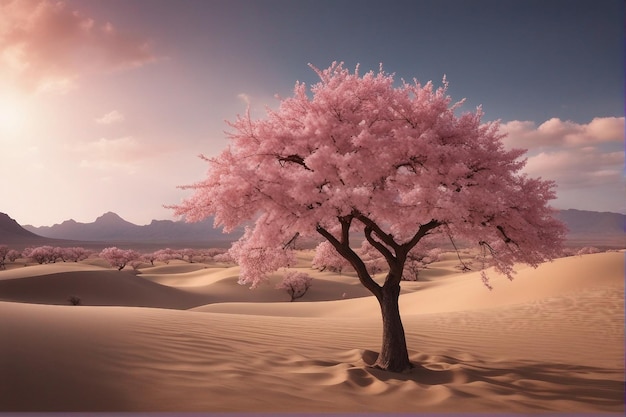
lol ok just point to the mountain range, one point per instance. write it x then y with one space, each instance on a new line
112 228
594 228
585 227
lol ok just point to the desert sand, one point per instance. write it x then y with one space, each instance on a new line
186 337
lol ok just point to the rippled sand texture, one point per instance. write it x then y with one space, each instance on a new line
186 337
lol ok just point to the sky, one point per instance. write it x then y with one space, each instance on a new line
106 104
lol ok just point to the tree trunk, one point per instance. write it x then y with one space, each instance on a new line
394 355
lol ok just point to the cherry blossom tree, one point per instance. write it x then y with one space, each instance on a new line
427 251
166 255
213 254
4 251
223 258
372 258
588 250
13 254
394 163
327 258
49 254
75 254
137 262
190 254
41 254
119 258
296 284
58 253
417 258
149 257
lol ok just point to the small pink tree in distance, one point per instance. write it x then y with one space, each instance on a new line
190 254
40 254
4 251
372 258
12 255
119 258
149 257
224 257
588 250
75 254
358 153
166 255
296 284
327 258
427 251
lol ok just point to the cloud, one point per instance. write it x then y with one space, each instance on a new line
586 160
556 132
45 46
125 153
244 97
109 118
578 168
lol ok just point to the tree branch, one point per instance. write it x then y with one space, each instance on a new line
421 232
292 242
345 221
458 255
296 159
391 259
385 237
354 259
507 239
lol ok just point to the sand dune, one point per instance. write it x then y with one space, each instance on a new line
47 269
105 287
552 340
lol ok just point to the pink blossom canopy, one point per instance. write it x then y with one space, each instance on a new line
392 157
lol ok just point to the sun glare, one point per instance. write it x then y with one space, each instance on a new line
12 117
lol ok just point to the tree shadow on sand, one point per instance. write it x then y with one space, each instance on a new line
531 384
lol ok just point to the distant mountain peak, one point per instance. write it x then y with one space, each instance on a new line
110 218
109 214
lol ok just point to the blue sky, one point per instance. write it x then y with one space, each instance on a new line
111 100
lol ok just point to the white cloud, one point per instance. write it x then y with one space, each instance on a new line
556 132
586 160
578 167
45 46
56 84
109 118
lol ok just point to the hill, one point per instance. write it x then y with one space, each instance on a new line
10 228
18 237
12 233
